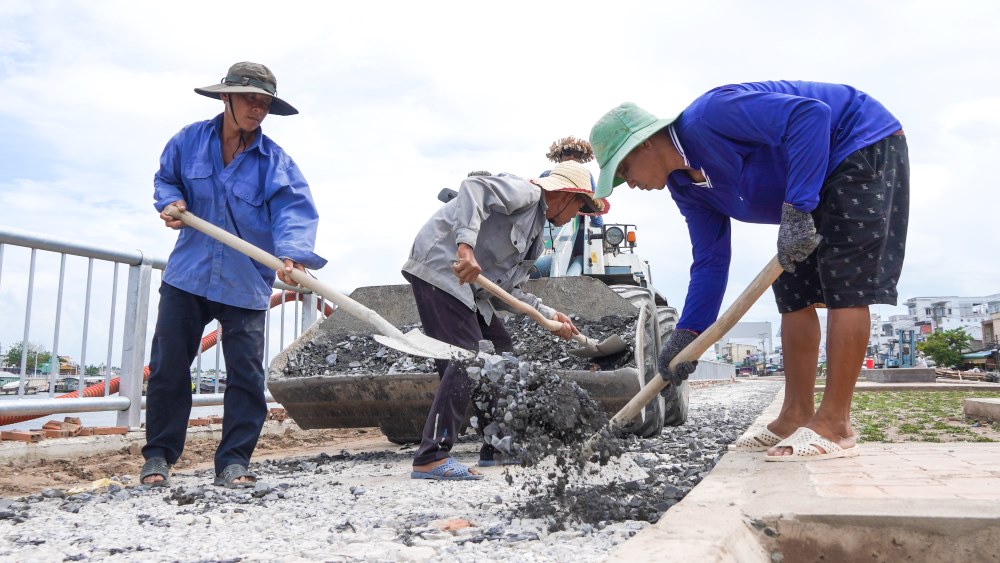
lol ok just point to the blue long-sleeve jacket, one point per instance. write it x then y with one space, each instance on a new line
759 145
260 197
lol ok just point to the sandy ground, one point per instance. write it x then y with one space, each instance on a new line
22 477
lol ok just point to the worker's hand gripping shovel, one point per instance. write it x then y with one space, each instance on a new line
413 342
591 348
692 351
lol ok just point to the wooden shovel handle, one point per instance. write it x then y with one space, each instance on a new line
703 342
349 305
522 307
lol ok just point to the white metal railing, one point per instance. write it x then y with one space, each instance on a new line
124 331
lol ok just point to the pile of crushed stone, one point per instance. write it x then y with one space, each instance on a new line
529 414
330 354
533 342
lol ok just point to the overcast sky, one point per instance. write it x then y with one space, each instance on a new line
399 100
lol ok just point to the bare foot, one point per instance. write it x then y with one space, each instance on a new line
152 479
430 467
784 427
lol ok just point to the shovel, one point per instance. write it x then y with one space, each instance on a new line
414 342
591 348
694 350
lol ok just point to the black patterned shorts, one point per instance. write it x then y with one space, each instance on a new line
862 216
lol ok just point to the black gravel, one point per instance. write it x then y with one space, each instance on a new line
534 343
331 354
675 462
530 413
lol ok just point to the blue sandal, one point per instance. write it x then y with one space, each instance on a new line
155 466
450 470
229 478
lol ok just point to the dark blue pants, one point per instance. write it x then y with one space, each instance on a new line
180 322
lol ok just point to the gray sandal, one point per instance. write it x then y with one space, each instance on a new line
233 472
155 466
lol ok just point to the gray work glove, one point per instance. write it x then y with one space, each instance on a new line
797 237
679 339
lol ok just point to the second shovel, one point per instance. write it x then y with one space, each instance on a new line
590 349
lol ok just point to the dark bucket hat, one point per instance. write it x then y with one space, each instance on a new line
247 78
615 135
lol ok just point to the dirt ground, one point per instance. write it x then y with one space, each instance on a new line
23 477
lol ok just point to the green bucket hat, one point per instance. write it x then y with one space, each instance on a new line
615 135
250 78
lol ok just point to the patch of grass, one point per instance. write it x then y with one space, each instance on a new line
872 434
928 416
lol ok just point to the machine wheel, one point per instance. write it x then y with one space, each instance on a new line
675 404
402 430
403 441
650 423
400 439
667 318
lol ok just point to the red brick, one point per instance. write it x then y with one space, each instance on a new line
73 429
105 430
21 436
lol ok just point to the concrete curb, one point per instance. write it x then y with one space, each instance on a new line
940 386
982 408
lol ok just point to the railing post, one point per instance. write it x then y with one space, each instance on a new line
134 343
308 310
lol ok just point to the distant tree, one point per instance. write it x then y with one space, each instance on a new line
37 355
93 370
945 347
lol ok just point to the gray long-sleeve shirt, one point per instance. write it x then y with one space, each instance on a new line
501 218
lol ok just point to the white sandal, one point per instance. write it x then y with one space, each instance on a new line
759 441
806 446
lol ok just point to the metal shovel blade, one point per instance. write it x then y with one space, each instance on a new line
417 343
608 347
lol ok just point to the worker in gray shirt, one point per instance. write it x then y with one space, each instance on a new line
492 228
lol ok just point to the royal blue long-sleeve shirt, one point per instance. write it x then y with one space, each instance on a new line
759 145
261 197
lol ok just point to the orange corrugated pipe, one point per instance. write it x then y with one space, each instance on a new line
209 340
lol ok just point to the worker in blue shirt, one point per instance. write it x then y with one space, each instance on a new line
229 173
826 162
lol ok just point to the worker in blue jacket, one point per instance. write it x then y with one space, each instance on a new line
229 173
828 164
